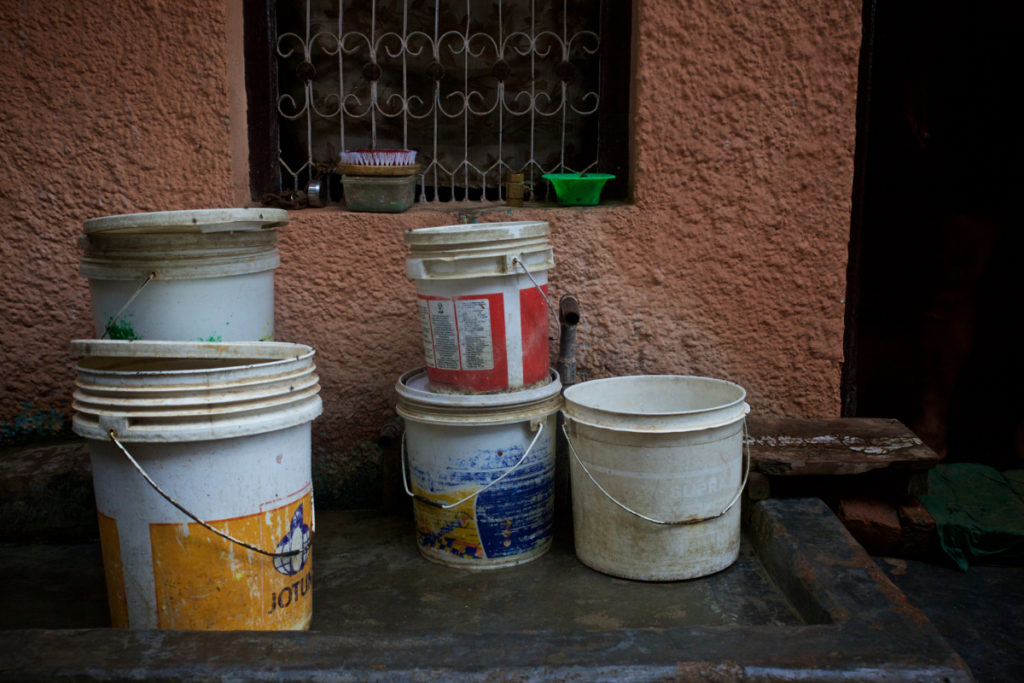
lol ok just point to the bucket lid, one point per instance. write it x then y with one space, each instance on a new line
198 220
478 250
656 403
417 402
164 391
151 355
444 236
177 255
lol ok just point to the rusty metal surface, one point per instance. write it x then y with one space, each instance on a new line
804 603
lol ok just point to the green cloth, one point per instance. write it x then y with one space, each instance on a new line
979 513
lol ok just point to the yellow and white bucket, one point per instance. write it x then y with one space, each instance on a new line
201 466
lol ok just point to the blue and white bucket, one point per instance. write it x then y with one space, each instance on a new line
481 471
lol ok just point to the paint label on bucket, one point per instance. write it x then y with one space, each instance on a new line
473 317
204 581
457 332
465 336
444 335
426 334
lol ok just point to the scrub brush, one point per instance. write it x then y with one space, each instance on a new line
378 162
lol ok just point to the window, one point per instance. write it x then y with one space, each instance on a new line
479 88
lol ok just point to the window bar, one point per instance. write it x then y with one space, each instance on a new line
405 81
308 88
373 83
291 117
565 84
533 86
531 39
341 76
465 103
501 97
437 97
600 82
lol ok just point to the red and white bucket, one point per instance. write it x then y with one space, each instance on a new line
482 293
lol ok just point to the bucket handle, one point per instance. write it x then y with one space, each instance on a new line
537 423
682 522
290 553
117 316
518 262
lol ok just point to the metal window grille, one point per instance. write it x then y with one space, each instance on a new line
479 88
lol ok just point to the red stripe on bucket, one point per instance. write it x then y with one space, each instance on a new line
533 311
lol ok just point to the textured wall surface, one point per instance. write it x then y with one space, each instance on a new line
107 108
730 262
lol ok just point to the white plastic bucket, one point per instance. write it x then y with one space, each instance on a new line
482 291
657 469
223 430
481 471
204 275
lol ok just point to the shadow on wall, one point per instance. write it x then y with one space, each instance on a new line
34 425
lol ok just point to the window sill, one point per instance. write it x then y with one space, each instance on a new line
471 210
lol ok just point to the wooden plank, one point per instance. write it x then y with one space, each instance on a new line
852 445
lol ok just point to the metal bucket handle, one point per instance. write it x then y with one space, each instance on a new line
682 522
290 553
535 423
117 316
519 262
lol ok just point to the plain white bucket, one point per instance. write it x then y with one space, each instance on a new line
481 471
204 275
657 469
482 295
201 467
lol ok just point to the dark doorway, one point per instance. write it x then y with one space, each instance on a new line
935 296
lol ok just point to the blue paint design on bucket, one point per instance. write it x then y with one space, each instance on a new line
515 517
512 517
297 538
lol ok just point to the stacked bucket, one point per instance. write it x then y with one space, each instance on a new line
479 445
656 461
198 425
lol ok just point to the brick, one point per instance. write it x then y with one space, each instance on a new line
918 529
758 487
875 524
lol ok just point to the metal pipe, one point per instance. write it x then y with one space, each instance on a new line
568 318
391 432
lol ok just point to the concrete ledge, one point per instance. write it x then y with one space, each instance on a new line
852 623
46 493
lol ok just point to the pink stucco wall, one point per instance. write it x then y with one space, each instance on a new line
730 262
